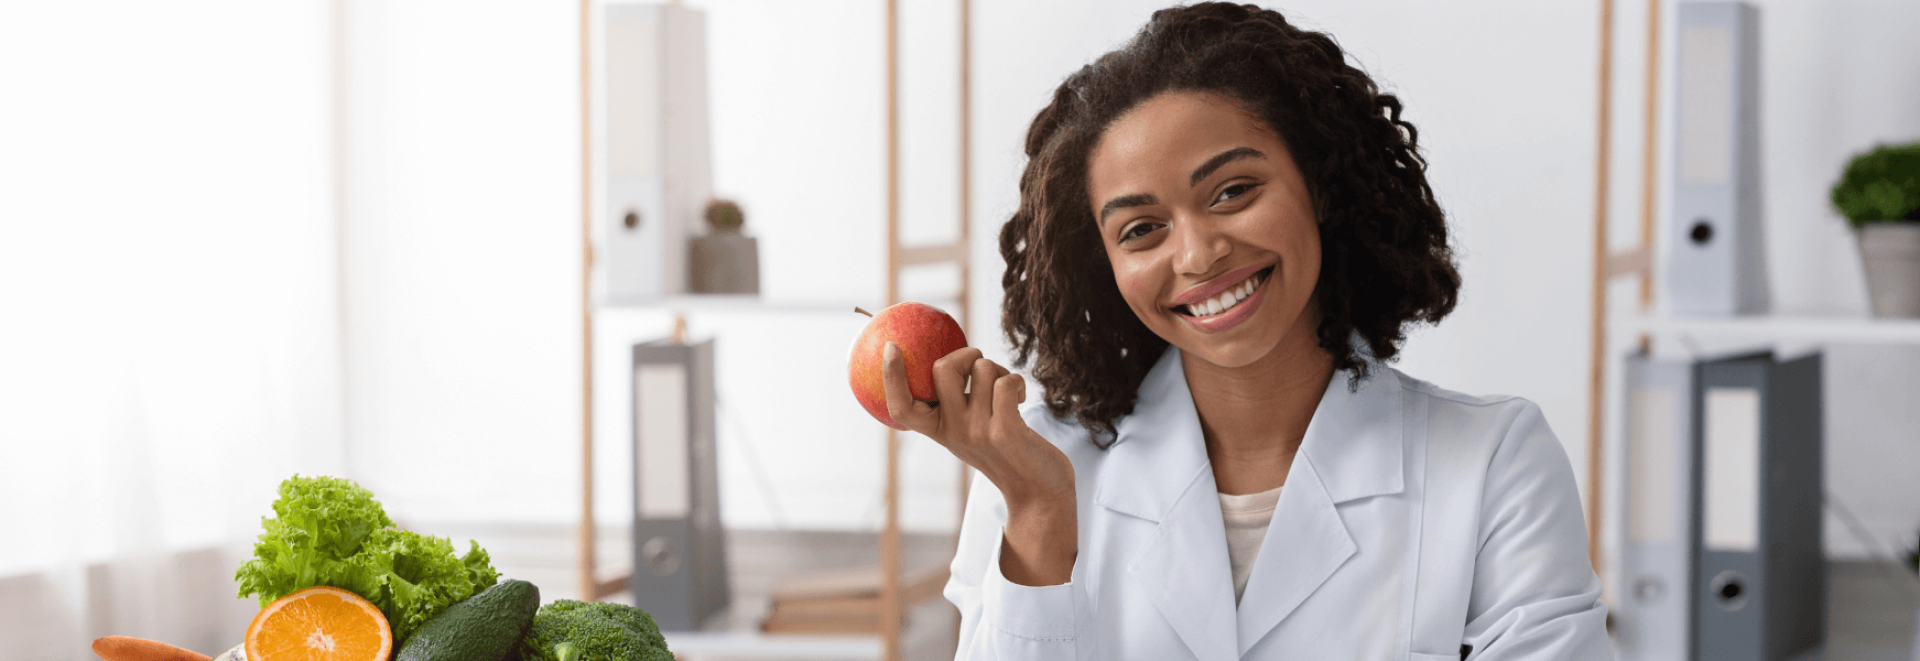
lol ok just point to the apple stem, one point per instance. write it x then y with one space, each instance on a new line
857 309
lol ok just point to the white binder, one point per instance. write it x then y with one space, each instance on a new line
658 150
1653 616
1715 261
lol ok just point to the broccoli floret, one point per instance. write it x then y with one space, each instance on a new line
568 630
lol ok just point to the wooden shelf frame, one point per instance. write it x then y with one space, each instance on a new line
893 605
1609 266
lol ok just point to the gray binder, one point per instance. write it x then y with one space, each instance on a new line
1760 578
1722 559
680 559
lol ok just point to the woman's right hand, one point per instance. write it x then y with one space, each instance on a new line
977 418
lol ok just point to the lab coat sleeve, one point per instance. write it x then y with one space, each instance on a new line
1002 620
1535 595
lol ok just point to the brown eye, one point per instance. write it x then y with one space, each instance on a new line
1233 192
1136 232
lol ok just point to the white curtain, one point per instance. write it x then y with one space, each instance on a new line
169 327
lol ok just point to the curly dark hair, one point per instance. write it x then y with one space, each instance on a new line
1385 261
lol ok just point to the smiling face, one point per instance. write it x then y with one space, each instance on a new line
1209 227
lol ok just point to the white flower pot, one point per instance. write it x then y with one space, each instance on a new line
1890 251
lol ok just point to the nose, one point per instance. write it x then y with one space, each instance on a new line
1198 245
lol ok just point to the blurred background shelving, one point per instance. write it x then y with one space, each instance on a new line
1784 328
364 262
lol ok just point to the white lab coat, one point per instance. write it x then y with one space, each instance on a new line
1415 523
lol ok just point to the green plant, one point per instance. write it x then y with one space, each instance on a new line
725 215
1883 184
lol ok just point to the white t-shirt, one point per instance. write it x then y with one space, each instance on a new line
1247 518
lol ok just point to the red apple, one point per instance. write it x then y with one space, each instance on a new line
924 333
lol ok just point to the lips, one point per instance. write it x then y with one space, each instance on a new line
1214 299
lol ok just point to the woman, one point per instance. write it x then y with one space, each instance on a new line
1223 232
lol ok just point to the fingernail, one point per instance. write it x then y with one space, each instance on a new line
893 352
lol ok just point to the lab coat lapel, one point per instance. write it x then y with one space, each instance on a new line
1185 572
1352 449
1158 471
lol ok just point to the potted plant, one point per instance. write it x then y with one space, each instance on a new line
724 261
1880 196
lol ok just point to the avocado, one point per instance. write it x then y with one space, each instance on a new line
486 627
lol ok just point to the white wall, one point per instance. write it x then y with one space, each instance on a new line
462 253
450 106
166 276
169 346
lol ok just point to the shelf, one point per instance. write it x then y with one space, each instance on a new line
1785 328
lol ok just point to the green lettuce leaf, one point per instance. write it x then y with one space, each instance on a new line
329 531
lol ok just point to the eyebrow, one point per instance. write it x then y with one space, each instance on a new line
1221 159
1125 201
1206 169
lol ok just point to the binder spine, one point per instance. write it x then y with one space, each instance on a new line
679 547
1795 487
1715 260
1730 592
1654 621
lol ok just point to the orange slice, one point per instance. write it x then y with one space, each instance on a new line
320 624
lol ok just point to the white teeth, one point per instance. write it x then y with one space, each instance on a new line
1227 299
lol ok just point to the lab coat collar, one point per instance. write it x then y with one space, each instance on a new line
1354 448
1158 448
1355 437
1354 442
1158 471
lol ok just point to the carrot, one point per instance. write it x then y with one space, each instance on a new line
128 648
